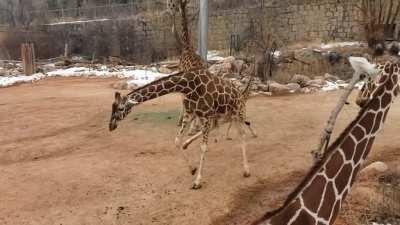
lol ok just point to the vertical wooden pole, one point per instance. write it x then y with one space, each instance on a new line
28 58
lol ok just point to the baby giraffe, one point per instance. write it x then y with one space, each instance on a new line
206 97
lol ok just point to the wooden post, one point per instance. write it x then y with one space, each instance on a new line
28 58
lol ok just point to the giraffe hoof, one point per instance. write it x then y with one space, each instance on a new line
196 186
246 174
193 171
228 139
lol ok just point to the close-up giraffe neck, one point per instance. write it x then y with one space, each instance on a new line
319 197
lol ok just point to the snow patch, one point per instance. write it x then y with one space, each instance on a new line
8 81
137 76
77 22
214 56
341 45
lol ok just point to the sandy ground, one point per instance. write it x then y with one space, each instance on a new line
60 165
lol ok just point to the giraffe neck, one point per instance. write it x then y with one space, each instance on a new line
318 199
176 83
186 40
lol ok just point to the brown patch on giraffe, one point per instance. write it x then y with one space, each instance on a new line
354 176
396 91
380 91
159 88
228 90
215 95
386 100
192 85
286 215
385 115
360 150
343 178
335 212
186 90
168 84
304 218
201 90
204 79
179 88
367 122
209 100
197 80
328 201
389 84
211 87
378 122
312 195
368 148
375 104
220 88
152 88
389 68
333 165
395 79
358 133
348 147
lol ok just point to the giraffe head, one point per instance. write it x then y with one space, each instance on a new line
121 107
366 71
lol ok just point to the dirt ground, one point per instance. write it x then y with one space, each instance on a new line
59 164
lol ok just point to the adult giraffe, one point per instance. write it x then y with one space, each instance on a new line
319 197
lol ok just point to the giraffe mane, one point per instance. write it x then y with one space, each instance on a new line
177 74
329 152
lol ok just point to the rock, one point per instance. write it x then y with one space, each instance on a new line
267 94
221 68
316 83
229 60
374 170
300 79
330 77
3 72
165 70
277 88
309 90
238 66
120 85
294 87
263 87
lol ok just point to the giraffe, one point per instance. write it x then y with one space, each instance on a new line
189 59
206 97
319 197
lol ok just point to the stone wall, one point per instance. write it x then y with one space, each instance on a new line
288 21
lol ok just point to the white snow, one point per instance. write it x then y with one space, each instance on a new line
77 22
8 81
341 44
137 76
214 56
334 86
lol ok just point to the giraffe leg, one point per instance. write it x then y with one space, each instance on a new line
178 141
191 140
180 120
242 134
253 133
227 131
204 147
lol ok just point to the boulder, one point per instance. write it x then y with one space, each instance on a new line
300 79
316 83
330 77
165 70
373 170
229 59
294 87
277 88
263 87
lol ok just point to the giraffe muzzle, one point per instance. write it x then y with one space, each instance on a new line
113 125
